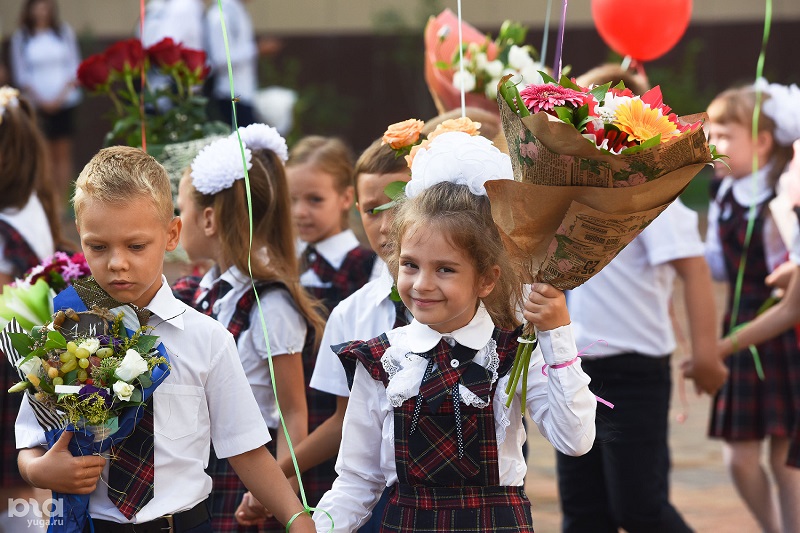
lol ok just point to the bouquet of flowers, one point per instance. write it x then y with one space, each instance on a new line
592 168
486 61
30 299
84 371
406 138
176 111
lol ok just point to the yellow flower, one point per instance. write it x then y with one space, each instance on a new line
642 122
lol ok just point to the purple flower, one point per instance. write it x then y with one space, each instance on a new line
88 390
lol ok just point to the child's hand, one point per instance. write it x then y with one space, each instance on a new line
250 511
709 376
546 307
60 471
779 278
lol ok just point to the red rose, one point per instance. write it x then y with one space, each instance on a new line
93 72
195 61
127 54
165 53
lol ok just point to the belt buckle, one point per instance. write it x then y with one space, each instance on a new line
170 522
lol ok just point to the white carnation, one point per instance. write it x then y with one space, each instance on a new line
464 79
131 367
530 74
459 158
219 165
31 366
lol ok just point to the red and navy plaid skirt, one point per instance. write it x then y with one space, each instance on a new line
466 509
747 408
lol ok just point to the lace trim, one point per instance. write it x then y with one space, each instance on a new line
501 419
405 370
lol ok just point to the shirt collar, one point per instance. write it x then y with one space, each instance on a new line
475 335
166 307
745 192
381 287
333 249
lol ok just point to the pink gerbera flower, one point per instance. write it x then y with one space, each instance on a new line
548 96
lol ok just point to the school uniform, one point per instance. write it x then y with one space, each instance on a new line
229 297
622 323
25 240
204 400
452 455
334 268
747 407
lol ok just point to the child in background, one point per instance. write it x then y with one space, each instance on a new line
366 313
333 263
453 455
29 231
748 410
205 399
213 205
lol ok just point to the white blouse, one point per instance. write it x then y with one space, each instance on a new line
560 404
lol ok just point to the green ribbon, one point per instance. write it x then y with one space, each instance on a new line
737 292
303 499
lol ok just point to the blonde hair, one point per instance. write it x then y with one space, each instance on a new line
272 230
117 174
736 106
23 165
466 222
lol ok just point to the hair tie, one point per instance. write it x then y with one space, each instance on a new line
263 137
219 165
9 97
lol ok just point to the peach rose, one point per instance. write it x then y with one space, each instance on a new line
414 149
403 133
456 124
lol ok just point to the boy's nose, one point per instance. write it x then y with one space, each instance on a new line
117 261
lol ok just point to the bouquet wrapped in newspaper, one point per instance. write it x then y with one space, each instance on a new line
592 168
86 371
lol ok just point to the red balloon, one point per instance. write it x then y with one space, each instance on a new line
642 29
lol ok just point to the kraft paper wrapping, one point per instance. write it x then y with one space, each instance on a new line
571 207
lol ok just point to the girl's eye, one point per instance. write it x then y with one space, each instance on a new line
408 264
446 269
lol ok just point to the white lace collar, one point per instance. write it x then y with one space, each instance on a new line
475 335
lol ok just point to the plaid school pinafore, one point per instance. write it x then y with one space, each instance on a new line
748 408
446 452
354 273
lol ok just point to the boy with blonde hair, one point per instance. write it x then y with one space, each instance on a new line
123 209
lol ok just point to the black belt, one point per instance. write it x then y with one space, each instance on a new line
175 523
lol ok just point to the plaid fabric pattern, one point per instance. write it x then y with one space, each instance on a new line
748 408
351 276
132 472
19 253
186 289
466 509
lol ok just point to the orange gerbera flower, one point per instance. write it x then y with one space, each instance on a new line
641 122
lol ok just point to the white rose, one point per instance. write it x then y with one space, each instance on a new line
494 68
90 345
123 390
460 158
491 88
465 79
132 366
31 366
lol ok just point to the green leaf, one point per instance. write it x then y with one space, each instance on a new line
649 143
145 380
599 93
146 343
21 343
71 377
581 117
395 189
566 82
442 65
547 77
564 113
136 396
620 86
55 340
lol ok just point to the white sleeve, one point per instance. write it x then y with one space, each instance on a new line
672 235
361 481
19 69
236 422
68 36
713 252
329 375
286 327
560 403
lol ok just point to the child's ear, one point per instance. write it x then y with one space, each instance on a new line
209 222
174 233
347 197
487 282
764 145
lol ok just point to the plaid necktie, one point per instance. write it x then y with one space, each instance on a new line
311 259
132 471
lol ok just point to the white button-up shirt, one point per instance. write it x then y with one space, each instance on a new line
560 404
204 399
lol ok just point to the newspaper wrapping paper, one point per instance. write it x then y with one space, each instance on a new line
571 207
